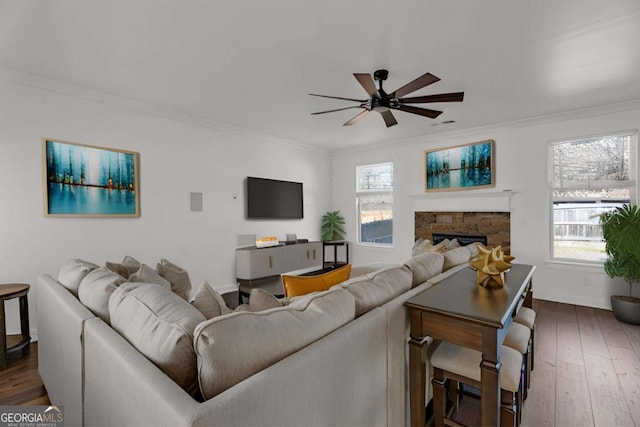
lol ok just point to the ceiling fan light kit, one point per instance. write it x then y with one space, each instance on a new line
383 102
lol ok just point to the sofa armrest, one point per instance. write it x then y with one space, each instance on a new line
123 388
61 320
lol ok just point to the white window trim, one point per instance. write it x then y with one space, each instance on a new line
371 244
373 192
633 190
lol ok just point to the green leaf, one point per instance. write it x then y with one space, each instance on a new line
331 226
621 232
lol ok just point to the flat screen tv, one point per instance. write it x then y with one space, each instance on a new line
271 198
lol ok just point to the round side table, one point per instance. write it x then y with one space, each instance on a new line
12 345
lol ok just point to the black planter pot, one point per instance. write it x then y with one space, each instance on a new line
626 310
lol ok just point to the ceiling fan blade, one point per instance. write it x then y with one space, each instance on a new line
367 83
422 81
389 120
420 111
338 97
357 117
337 109
442 97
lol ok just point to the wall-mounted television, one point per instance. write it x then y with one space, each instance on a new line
271 198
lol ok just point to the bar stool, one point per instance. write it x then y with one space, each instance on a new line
462 364
518 338
527 317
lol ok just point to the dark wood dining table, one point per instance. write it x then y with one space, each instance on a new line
459 311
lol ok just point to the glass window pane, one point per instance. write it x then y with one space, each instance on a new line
588 177
591 163
375 177
576 230
376 218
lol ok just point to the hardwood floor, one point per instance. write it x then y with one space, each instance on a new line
20 383
587 371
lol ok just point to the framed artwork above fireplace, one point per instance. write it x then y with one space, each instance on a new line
462 167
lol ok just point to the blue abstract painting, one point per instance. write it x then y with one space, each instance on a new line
463 167
91 181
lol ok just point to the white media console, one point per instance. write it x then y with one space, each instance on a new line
262 267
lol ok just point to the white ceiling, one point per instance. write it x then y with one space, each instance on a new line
251 64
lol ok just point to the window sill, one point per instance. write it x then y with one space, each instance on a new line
375 246
575 265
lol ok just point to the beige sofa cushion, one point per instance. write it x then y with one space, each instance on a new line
209 301
160 325
376 291
455 257
177 276
72 272
361 270
425 267
96 288
226 356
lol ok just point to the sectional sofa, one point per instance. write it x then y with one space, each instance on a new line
337 357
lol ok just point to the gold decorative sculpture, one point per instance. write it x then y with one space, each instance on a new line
490 265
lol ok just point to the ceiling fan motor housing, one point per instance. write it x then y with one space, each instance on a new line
381 74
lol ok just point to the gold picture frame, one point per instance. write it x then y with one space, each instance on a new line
82 180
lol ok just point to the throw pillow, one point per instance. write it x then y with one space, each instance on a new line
147 274
418 246
423 245
453 244
301 285
127 267
260 300
209 301
72 272
160 325
95 290
177 276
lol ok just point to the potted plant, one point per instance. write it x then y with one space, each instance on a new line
621 231
332 227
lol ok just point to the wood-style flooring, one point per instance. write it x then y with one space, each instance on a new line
587 371
20 383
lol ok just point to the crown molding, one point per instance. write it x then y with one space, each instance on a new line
35 81
581 113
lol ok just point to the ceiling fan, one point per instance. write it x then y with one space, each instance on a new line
384 102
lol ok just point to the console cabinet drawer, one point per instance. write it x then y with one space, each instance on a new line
253 263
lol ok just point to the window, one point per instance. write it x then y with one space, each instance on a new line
587 177
374 196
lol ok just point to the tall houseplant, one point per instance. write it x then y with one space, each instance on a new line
621 231
332 226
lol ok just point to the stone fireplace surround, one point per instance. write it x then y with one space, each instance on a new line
495 225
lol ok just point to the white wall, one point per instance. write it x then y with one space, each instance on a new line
521 166
176 158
